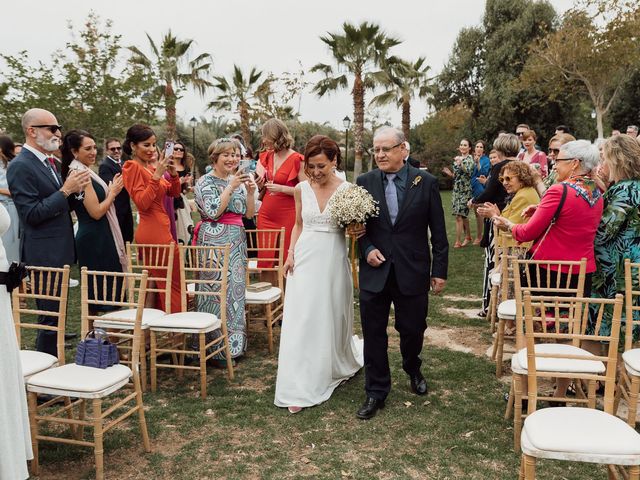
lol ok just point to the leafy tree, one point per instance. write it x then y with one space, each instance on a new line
173 72
281 90
403 81
625 110
239 92
595 51
357 51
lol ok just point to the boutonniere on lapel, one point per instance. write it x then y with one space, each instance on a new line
416 181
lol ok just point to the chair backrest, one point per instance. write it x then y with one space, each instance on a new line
43 283
507 249
631 300
542 278
206 271
268 244
158 261
536 308
120 291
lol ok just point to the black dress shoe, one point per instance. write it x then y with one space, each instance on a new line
70 336
418 384
369 408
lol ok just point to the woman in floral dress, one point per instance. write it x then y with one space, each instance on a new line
463 166
222 199
618 236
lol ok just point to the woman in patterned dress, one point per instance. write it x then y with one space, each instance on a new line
463 166
222 200
618 236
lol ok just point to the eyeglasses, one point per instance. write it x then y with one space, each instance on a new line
554 150
115 149
178 149
506 178
52 128
385 150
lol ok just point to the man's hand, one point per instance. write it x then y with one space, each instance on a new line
76 181
375 258
437 285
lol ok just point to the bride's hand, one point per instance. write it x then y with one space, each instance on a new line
287 269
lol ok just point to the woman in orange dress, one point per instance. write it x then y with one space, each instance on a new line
279 171
147 189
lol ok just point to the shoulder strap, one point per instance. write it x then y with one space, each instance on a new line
553 220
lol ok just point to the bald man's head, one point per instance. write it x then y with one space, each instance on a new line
37 116
41 130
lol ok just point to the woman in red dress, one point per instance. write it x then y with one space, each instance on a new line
279 170
147 189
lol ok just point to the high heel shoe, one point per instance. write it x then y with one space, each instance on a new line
294 409
466 242
457 245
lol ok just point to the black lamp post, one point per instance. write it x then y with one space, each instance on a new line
346 121
194 123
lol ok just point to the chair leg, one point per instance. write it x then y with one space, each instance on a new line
227 355
203 365
493 302
521 472
509 410
634 472
141 418
529 467
591 392
517 411
82 413
633 400
154 372
143 365
499 346
73 428
97 438
269 315
33 422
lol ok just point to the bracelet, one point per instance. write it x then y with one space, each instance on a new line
64 192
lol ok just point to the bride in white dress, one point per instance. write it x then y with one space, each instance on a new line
317 348
15 439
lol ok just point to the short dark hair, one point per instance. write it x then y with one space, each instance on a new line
71 141
6 149
563 129
137 133
111 139
319 144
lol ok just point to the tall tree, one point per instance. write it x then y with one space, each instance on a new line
173 71
238 93
357 51
403 81
595 51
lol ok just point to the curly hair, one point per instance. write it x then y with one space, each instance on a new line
521 170
622 153
276 131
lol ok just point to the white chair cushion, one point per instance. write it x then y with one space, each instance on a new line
264 297
496 279
191 287
507 310
130 315
631 360
580 434
516 367
78 381
33 362
561 364
252 264
186 322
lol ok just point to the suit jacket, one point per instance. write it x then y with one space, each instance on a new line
405 244
107 170
47 238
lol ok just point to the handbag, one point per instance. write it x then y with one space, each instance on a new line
13 278
97 351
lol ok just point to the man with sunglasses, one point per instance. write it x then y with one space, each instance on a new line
109 168
44 203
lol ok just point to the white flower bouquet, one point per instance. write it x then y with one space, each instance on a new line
352 206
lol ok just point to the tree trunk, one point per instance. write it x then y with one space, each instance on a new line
170 110
406 116
599 115
358 123
244 123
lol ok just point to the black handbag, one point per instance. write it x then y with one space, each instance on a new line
13 278
97 351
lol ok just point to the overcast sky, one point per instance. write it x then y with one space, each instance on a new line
273 35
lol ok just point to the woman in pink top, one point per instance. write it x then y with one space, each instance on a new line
532 156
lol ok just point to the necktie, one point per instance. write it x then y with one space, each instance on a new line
391 196
50 163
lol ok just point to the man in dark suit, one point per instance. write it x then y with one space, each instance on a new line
396 265
41 198
109 168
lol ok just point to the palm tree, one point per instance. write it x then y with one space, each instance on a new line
239 92
173 72
357 51
403 82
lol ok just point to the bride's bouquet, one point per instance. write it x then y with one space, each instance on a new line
352 206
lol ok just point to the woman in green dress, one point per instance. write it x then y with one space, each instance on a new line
223 199
99 244
463 166
618 236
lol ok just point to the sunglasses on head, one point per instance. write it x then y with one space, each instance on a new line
115 149
51 128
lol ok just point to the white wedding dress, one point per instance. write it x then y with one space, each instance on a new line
318 350
15 439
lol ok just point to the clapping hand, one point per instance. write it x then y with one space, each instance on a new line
529 211
116 185
482 179
488 210
76 181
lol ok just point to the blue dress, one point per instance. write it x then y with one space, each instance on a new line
207 192
481 168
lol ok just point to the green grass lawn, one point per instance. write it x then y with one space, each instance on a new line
456 432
